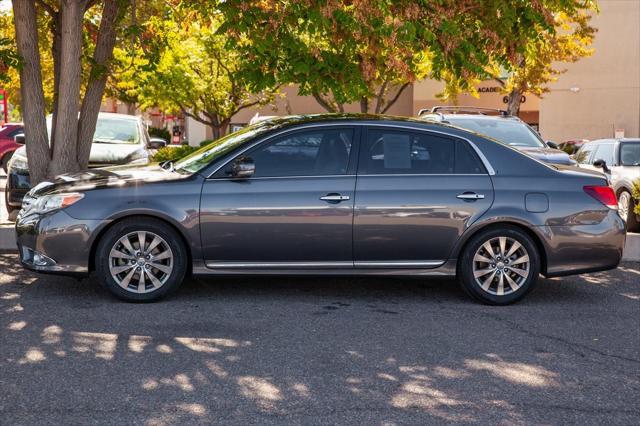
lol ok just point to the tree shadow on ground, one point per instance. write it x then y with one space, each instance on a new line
317 350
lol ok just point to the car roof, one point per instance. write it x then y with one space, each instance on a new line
614 140
446 116
116 115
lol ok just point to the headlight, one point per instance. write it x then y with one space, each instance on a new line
48 203
18 162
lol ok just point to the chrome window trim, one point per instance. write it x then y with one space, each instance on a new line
483 159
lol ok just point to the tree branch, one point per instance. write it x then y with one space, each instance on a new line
395 98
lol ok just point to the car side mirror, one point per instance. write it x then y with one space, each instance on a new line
602 164
156 143
19 139
552 144
243 167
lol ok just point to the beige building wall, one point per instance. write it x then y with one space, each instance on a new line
601 93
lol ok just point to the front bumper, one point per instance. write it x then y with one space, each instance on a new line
55 242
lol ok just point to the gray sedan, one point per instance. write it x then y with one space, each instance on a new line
328 195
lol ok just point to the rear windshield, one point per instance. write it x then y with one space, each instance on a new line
513 133
630 153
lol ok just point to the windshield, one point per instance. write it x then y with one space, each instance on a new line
630 154
513 133
204 156
112 130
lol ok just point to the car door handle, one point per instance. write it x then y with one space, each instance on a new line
470 196
334 198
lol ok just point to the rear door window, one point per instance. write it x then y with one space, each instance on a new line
392 151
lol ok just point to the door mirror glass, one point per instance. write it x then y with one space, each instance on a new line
552 144
19 138
243 167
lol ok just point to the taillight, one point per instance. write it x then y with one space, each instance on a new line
604 194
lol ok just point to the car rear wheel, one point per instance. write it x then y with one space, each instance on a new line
626 207
141 260
499 266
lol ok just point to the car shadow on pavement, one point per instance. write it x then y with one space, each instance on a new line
318 350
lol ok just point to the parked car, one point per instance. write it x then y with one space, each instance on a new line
620 160
8 144
501 126
328 195
118 139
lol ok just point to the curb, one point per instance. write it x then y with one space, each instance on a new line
7 237
8 243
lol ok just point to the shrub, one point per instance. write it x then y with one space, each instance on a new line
206 142
173 152
160 132
636 195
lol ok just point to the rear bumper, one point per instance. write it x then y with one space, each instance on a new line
56 242
583 248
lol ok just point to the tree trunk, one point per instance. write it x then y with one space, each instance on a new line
102 55
66 135
131 108
33 107
513 107
364 105
218 127
55 54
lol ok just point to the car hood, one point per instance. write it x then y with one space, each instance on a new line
104 154
548 155
107 177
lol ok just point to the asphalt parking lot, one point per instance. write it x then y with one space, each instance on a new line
319 351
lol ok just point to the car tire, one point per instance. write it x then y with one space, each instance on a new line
626 206
5 162
12 212
136 275
499 265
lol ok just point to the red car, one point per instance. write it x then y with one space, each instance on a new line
7 144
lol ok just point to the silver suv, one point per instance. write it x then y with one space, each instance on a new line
620 160
499 125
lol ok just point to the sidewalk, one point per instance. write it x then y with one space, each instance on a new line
8 239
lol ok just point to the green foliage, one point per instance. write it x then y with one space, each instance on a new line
173 152
206 142
636 195
160 132
537 57
355 51
184 67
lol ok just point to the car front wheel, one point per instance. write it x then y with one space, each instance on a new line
141 260
499 266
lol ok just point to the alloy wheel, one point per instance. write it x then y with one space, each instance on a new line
501 265
141 262
624 201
